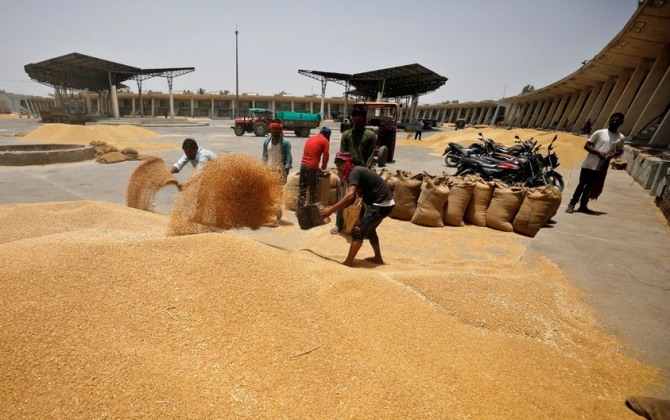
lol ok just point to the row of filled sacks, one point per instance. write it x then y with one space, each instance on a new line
436 201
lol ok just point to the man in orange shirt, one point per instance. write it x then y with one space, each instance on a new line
316 149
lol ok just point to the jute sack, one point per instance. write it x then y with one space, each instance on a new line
460 193
557 204
334 178
384 174
538 206
350 215
504 205
291 190
393 179
442 178
112 157
479 203
405 194
332 192
323 189
430 205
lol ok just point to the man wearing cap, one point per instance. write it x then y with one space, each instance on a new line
315 151
377 204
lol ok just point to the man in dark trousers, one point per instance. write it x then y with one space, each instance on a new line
419 129
377 204
315 151
602 146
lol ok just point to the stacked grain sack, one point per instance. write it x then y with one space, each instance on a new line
459 200
406 193
538 207
432 200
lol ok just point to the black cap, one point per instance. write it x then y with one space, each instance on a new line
359 110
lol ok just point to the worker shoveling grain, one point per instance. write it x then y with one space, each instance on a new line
232 191
146 181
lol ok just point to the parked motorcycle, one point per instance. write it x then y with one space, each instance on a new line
531 169
486 147
454 150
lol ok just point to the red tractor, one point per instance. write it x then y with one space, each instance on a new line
256 122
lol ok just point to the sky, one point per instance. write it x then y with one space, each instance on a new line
488 49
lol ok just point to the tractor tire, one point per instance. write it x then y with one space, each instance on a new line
304 132
382 156
239 130
260 129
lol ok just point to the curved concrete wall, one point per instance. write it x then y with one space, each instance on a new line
630 75
44 154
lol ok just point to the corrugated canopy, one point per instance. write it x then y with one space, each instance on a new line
79 71
393 82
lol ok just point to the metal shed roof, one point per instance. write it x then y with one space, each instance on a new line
393 82
79 71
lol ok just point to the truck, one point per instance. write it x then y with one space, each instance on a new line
73 111
258 121
383 120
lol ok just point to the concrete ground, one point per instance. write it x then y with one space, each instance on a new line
619 257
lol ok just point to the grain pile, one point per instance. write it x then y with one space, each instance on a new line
146 181
121 136
234 190
102 315
569 147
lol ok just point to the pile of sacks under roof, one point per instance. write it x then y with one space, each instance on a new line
447 200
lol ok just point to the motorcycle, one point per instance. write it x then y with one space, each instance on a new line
550 163
454 150
531 169
488 147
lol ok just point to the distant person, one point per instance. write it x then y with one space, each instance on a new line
586 128
359 142
378 204
198 157
419 129
277 155
602 146
316 150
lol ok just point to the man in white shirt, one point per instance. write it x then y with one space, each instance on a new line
602 146
277 155
192 153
